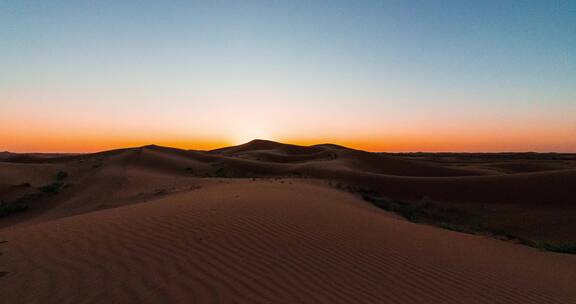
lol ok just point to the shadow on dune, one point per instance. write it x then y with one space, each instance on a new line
537 203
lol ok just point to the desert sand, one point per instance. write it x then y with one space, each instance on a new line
266 222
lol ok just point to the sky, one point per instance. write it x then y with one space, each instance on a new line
82 76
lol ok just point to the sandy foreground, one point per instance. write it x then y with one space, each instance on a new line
279 241
266 222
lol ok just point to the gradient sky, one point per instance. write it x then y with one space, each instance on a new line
377 75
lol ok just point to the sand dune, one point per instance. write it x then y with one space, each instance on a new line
265 223
261 145
498 163
333 155
269 242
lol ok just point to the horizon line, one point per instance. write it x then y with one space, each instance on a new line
301 145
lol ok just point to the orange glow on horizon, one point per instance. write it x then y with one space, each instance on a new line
36 135
85 144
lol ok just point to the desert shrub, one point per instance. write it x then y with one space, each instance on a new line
415 211
61 175
161 191
52 187
410 211
554 247
220 172
456 227
7 208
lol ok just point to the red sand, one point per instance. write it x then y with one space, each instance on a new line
140 226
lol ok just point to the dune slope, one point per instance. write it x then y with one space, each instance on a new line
268 242
537 206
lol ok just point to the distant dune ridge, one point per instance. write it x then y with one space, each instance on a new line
266 222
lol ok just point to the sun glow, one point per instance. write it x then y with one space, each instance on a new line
244 135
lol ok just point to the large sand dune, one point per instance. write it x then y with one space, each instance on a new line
264 223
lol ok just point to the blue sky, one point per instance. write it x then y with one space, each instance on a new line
368 72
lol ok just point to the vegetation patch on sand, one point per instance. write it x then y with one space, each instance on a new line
450 216
23 203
